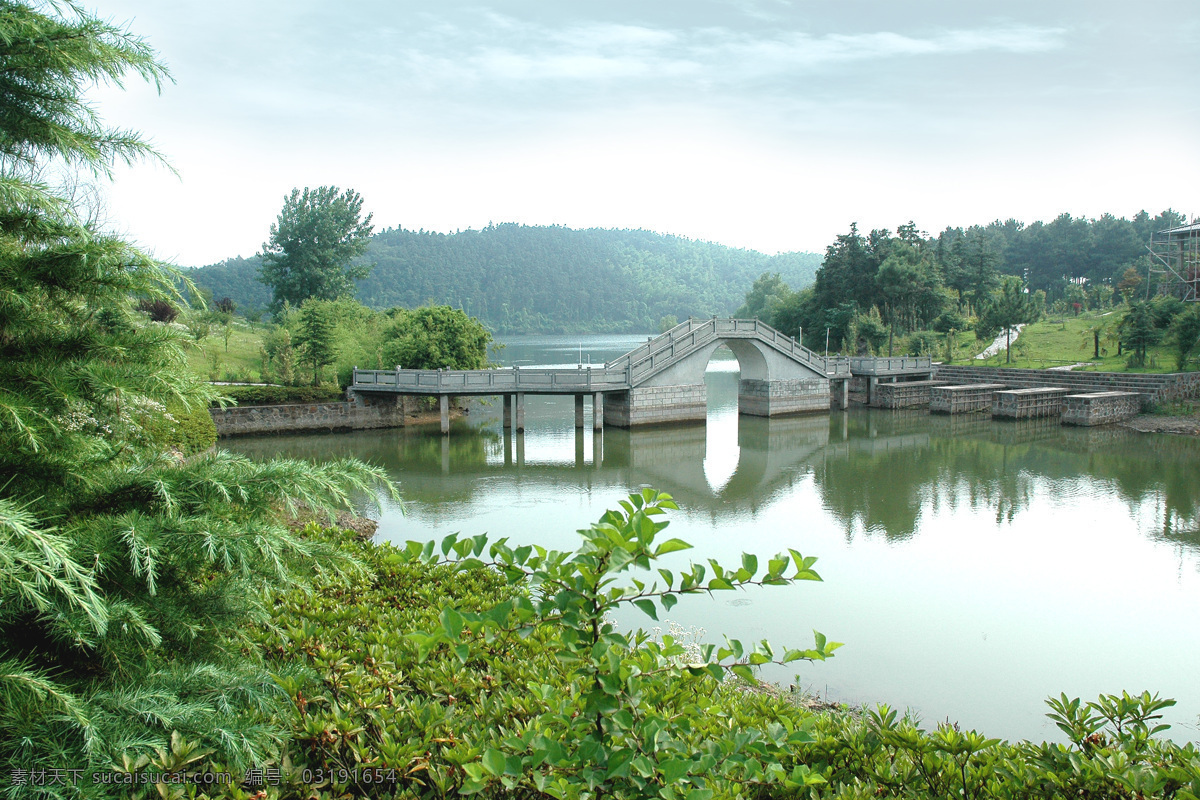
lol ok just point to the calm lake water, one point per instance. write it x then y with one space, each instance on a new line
972 568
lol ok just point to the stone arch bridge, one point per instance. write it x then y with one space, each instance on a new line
661 381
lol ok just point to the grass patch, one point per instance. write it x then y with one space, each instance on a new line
1069 340
240 363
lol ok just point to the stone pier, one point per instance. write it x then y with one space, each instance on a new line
963 399
1028 403
904 394
770 398
656 405
1100 408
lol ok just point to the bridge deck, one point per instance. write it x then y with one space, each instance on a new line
629 370
530 380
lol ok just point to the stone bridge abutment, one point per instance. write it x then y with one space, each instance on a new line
771 384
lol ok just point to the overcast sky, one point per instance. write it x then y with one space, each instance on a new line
768 124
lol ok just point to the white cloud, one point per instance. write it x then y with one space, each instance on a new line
505 49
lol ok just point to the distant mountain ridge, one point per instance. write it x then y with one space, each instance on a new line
545 279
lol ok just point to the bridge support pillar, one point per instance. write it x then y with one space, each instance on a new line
579 412
508 411
840 390
771 398
598 411
444 405
519 401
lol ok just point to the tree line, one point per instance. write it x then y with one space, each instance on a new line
873 289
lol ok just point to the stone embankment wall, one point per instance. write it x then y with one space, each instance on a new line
362 413
1163 388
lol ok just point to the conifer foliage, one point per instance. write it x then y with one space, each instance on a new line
128 569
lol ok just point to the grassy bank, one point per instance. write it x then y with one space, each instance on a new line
1070 340
239 361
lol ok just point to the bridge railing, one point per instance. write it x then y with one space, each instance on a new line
483 381
868 365
686 337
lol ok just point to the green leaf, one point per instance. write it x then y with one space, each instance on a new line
647 607
493 761
452 622
673 769
744 672
670 546
668 601
750 563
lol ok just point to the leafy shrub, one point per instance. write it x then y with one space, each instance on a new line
465 677
282 395
950 320
187 432
923 343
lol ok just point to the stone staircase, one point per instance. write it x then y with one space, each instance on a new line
1153 388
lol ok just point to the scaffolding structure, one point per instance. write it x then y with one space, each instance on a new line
1175 262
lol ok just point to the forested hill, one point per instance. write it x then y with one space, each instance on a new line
528 279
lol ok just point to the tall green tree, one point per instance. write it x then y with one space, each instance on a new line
313 245
1012 305
766 295
1184 335
1138 332
318 327
129 570
436 337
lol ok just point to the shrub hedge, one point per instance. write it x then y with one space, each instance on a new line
282 395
